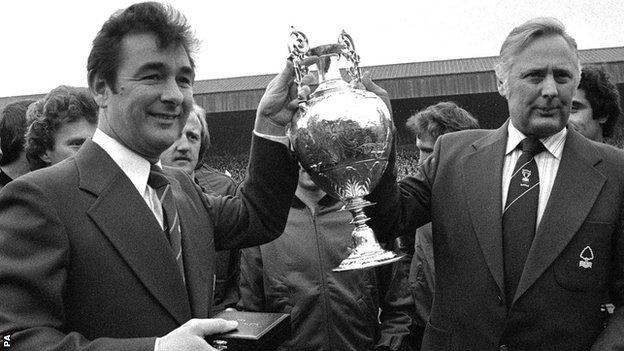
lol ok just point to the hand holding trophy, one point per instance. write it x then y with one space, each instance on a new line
342 135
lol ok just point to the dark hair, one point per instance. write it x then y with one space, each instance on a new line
64 104
205 134
13 126
603 96
441 118
166 23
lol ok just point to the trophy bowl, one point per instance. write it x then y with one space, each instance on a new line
342 136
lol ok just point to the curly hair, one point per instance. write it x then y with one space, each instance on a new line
603 96
64 104
166 23
13 125
439 119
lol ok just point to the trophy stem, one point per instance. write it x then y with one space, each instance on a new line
366 252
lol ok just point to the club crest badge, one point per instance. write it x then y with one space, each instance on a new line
525 177
586 256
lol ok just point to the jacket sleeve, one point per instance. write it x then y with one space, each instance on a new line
251 285
34 256
611 338
259 212
401 207
397 305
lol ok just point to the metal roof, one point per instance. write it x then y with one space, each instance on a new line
412 79
403 70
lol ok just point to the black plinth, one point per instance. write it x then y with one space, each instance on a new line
256 330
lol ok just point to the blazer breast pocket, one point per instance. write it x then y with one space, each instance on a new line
585 262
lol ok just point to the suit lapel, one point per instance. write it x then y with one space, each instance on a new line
124 218
577 182
482 176
195 248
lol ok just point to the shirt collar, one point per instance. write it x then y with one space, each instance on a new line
553 143
135 167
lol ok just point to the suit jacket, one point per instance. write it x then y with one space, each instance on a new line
421 276
227 267
557 302
85 265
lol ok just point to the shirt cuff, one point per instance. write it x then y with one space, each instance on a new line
284 140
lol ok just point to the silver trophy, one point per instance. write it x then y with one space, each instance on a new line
342 136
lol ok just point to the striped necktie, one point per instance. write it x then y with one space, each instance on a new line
520 214
160 183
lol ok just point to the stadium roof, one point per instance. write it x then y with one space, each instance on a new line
404 70
402 80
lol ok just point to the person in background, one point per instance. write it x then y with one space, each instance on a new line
13 126
427 126
60 123
596 105
188 153
330 311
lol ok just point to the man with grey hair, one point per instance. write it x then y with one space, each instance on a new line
527 219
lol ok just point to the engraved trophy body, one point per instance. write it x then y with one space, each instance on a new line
342 136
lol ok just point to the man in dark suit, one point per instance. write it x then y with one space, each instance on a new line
104 252
527 243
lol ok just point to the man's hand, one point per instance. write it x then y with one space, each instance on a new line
368 84
280 101
190 336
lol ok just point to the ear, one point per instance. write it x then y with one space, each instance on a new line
602 120
502 88
98 88
45 157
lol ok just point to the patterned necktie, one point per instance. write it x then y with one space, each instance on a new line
520 214
160 183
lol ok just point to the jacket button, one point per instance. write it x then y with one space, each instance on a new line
503 348
500 300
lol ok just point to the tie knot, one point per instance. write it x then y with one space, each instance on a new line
157 177
532 146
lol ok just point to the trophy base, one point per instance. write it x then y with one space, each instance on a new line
359 260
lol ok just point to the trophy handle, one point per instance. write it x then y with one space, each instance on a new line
298 47
348 51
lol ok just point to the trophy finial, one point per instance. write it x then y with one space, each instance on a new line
348 50
298 47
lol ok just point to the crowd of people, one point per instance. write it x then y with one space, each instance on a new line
235 165
121 230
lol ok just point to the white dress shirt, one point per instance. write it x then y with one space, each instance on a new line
135 167
547 164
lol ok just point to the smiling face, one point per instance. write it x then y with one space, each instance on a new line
542 81
184 153
153 97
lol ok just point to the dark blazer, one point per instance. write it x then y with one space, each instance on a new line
85 265
557 302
